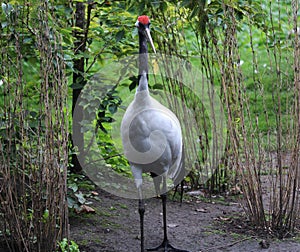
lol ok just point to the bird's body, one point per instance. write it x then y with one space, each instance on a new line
151 137
154 132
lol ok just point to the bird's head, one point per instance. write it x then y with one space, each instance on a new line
143 25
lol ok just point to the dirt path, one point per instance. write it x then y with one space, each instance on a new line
195 226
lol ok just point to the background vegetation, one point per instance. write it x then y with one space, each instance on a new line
248 54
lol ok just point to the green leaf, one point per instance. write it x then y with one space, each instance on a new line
71 202
46 215
4 24
158 86
164 6
132 85
33 114
73 187
112 108
80 197
120 35
7 8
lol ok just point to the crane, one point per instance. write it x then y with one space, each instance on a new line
151 138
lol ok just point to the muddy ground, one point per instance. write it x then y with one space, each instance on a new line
196 225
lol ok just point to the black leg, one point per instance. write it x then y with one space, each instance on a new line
181 191
164 204
142 212
165 244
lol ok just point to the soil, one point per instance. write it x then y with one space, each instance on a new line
195 225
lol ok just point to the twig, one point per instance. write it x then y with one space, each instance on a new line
230 244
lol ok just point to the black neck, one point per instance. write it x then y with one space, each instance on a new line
143 55
143 43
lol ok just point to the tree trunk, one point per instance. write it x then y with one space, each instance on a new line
79 82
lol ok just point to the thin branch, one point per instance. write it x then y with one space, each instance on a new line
229 244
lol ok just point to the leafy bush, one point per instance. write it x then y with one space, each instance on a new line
66 246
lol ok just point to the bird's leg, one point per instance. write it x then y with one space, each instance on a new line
164 205
181 192
157 182
141 212
165 244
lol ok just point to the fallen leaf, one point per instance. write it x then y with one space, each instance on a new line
236 190
94 193
85 209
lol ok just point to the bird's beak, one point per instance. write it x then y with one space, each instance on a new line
148 35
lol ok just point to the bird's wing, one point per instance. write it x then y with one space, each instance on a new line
174 137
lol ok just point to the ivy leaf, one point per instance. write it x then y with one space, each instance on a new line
80 197
73 187
120 35
112 108
71 202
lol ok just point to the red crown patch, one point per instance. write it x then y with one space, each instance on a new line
144 20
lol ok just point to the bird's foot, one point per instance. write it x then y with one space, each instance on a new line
167 247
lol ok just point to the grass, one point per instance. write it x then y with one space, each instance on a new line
123 206
84 242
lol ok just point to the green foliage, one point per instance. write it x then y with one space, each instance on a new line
101 111
68 246
79 190
107 108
